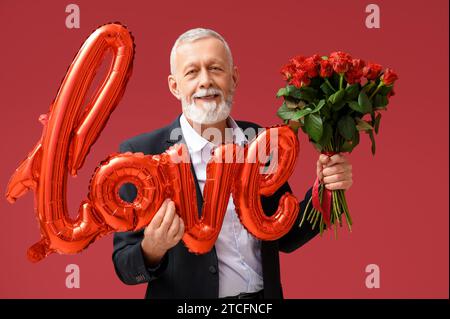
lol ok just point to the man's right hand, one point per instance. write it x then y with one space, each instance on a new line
163 232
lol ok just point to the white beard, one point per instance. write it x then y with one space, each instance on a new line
208 112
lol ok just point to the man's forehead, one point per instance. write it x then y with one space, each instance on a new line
190 61
206 49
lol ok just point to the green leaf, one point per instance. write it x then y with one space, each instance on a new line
319 106
326 89
285 113
362 125
377 123
363 106
349 146
346 127
326 135
337 97
380 101
372 138
305 93
309 93
283 92
351 92
325 111
355 106
309 90
364 102
384 90
300 113
346 147
314 126
338 106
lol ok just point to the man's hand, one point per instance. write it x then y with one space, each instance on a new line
335 172
163 232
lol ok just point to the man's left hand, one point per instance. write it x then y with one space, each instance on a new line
335 172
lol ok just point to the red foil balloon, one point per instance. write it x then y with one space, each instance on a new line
201 233
146 173
228 170
252 184
46 168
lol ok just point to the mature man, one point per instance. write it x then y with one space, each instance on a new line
203 77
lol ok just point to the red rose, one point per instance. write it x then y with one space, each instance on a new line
300 79
297 61
341 61
288 71
389 77
326 69
310 66
306 82
317 58
357 66
355 72
296 82
372 70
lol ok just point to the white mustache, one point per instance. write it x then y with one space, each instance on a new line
210 112
206 92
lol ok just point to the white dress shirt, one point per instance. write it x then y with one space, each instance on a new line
238 251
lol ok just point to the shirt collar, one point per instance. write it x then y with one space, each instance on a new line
196 142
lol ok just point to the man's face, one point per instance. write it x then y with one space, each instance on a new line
203 66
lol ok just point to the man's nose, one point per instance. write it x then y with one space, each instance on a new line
205 80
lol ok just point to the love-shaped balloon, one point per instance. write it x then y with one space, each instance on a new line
69 132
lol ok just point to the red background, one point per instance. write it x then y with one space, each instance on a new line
399 201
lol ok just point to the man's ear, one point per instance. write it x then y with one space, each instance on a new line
173 86
235 76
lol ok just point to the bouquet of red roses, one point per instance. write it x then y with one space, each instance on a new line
332 99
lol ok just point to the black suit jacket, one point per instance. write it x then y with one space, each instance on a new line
185 275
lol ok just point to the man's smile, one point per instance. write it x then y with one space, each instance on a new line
207 97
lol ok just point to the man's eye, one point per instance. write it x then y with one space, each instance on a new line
216 68
190 72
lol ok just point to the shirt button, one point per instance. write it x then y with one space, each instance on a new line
212 269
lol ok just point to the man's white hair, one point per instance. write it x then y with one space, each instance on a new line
193 35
